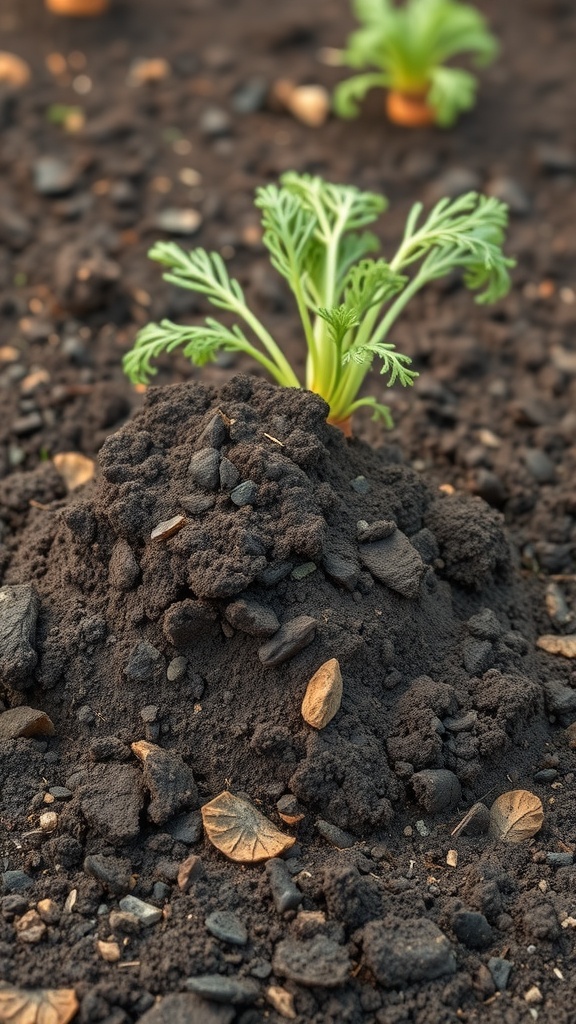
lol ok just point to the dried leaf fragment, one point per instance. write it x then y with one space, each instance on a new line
323 695
516 816
74 468
564 645
37 1006
168 527
236 828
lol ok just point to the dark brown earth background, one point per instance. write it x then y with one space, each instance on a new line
493 414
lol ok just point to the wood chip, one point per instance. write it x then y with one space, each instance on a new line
236 828
282 1001
74 468
37 1006
552 644
168 527
516 816
323 695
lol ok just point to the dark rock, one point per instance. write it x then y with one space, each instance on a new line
224 925
472 929
16 881
14 905
146 914
485 625
285 893
500 970
53 176
314 962
123 570
204 468
24 721
436 789
185 1008
60 792
245 493
112 800
489 486
394 562
19 606
555 159
176 669
400 951
250 96
170 783
291 638
143 663
545 775
187 621
113 872
186 828
221 989
559 860
229 475
344 571
214 434
477 656
334 835
251 617
196 504
272 575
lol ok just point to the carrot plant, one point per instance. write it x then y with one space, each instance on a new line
409 45
348 301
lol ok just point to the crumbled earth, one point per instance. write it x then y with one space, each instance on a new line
446 699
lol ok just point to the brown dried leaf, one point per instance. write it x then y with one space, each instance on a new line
236 828
74 468
564 645
37 1006
323 695
516 816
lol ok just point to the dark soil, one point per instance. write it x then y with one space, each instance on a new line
433 613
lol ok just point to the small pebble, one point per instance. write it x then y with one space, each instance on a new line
244 494
360 484
334 835
224 925
222 989
285 893
144 912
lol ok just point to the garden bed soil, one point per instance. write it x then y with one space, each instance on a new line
442 674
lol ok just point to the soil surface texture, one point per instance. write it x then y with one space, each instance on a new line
232 543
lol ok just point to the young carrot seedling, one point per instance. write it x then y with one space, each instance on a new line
410 46
348 302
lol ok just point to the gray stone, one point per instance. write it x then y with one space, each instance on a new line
250 96
360 485
500 969
170 783
215 433
19 606
314 962
188 1008
60 792
436 789
197 504
204 468
114 872
272 575
559 860
545 775
53 176
540 466
14 905
477 656
224 925
123 569
111 801
291 638
24 721
16 881
244 494
221 989
394 562
229 475
560 699
484 625
143 662
400 951
186 828
472 929
251 617
334 835
341 570
176 669
145 912
215 123
285 893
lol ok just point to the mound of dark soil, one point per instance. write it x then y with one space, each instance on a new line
233 543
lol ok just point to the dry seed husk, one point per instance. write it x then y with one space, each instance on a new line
516 816
236 828
37 1006
323 695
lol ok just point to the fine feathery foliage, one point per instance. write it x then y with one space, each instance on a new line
348 300
409 45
